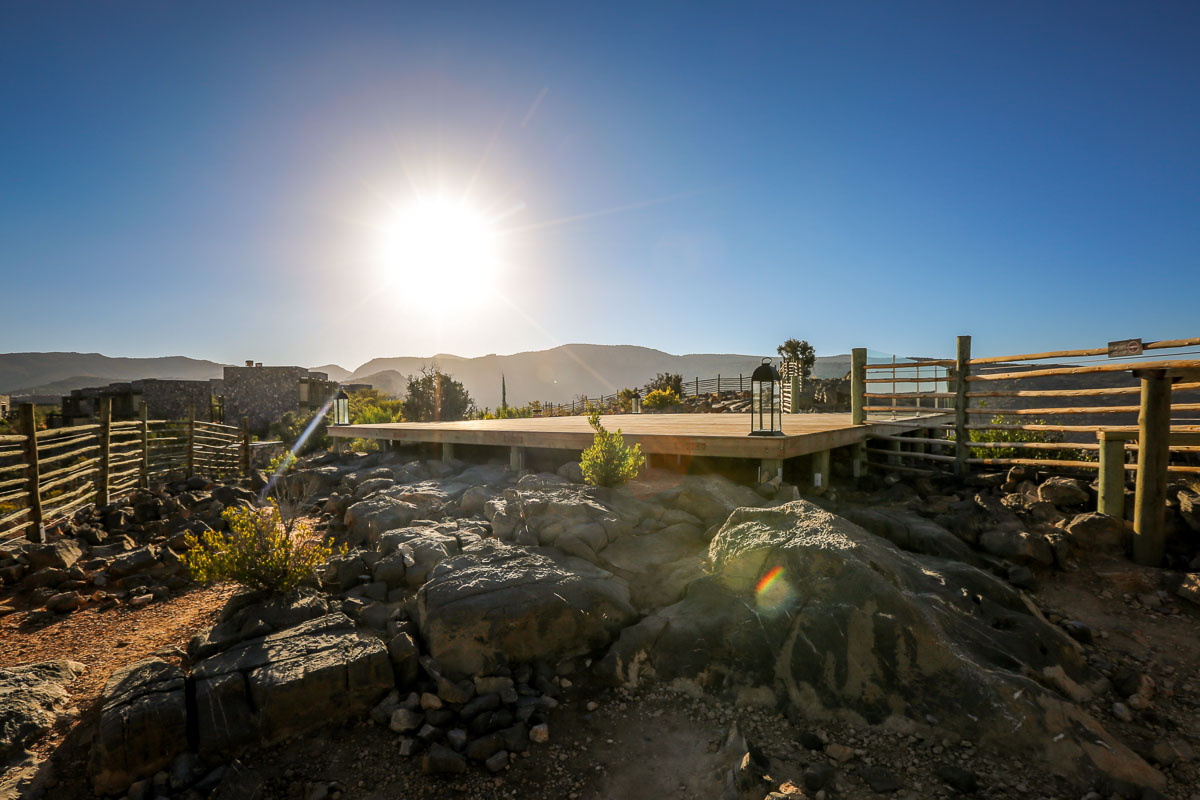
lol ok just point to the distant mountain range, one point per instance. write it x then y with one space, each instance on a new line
59 373
568 371
558 374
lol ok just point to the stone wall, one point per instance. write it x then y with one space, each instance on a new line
167 399
264 394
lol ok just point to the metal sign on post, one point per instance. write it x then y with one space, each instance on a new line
1125 348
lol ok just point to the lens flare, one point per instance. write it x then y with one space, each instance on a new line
773 590
291 456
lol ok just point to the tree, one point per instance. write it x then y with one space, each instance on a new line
801 352
666 382
372 406
609 462
434 396
503 394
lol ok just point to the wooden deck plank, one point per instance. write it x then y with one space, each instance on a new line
720 435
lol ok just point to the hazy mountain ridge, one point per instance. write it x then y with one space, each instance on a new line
558 374
567 371
29 373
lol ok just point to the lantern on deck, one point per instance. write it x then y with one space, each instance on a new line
766 401
341 408
635 402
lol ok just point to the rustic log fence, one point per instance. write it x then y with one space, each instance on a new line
47 475
694 387
970 413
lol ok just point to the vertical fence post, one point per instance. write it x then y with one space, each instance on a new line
718 384
858 385
191 441
246 447
36 532
697 386
102 482
144 470
1112 474
962 369
1154 453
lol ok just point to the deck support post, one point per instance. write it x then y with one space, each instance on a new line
896 449
1112 474
769 469
820 469
858 459
962 369
858 385
447 451
516 459
1154 451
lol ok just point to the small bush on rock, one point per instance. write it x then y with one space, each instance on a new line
661 398
609 462
258 551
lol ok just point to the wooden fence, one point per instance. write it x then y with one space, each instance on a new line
47 475
1066 411
611 403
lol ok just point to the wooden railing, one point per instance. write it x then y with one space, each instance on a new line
47 475
998 400
611 403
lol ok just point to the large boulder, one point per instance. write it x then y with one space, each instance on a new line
421 549
712 498
658 566
496 604
317 672
60 554
910 531
31 698
1094 531
248 615
839 621
569 518
143 725
1063 492
368 518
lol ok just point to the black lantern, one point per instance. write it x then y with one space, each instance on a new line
766 401
635 402
341 408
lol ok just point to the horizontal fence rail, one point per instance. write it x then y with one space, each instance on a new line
720 385
48 475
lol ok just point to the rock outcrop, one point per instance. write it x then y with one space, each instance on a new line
495 604
837 620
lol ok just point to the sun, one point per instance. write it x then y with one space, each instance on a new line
440 247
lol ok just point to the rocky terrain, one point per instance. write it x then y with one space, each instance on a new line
486 634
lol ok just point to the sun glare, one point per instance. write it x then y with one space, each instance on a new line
439 247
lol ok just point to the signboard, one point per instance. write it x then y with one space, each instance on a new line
1125 348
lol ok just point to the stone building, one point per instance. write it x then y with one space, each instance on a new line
264 394
5 406
164 399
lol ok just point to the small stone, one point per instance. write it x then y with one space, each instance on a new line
818 775
497 762
540 733
430 700
840 753
1122 712
457 738
958 778
404 720
141 600
592 705
441 759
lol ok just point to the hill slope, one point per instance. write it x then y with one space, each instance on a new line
567 371
60 372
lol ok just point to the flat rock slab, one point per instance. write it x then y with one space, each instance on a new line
143 725
496 604
320 671
31 698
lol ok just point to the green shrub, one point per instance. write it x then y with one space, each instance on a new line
258 551
291 426
609 462
667 382
661 398
1023 437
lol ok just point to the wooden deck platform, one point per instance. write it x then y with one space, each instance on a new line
718 435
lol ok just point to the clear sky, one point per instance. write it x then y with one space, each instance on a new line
216 179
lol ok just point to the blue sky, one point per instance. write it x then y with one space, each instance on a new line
210 179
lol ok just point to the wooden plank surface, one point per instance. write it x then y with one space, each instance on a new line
721 435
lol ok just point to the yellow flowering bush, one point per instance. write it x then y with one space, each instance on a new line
257 551
661 398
